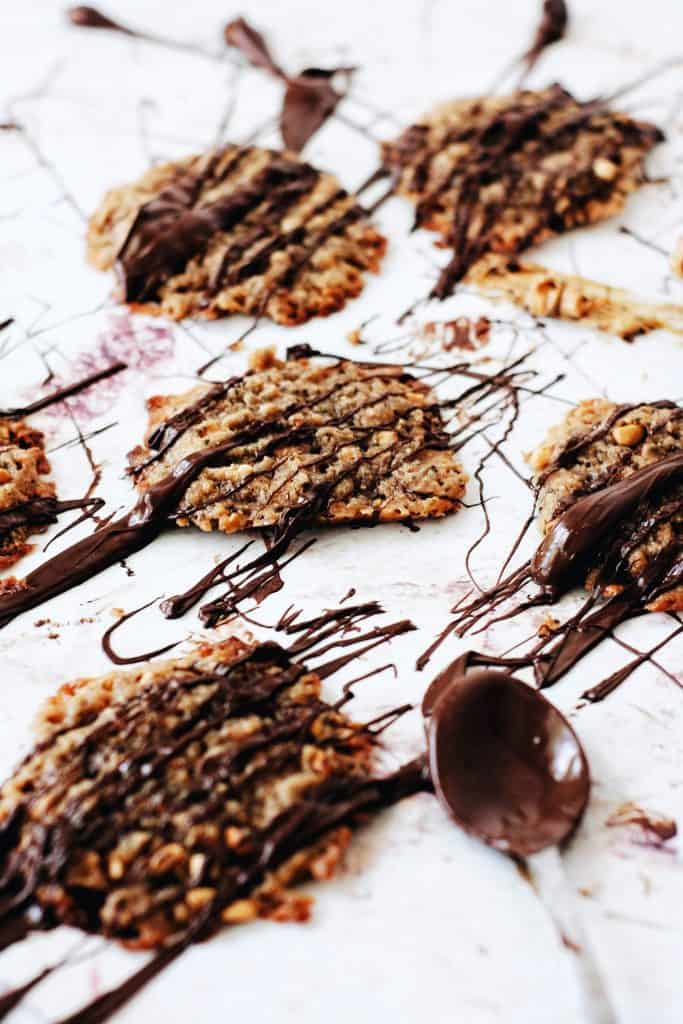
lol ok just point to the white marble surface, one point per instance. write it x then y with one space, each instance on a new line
425 923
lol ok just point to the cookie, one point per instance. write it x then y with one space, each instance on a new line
308 441
27 499
502 173
594 455
235 230
543 292
151 796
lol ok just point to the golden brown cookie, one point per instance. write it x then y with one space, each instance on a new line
235 230
598 446
543 292
151 795
327 441
27 499
502 173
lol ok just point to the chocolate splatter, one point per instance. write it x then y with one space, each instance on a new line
657 829
310 97
90 17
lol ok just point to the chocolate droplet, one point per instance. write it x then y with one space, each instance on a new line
90 17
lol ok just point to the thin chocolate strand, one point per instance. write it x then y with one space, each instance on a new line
68 391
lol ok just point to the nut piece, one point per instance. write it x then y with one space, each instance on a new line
629 434
239 912
166 859
604 169
199 897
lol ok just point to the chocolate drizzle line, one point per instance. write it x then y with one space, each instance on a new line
250 682
68 391
42 512
551 29
84 16
117 659
597 529
310 97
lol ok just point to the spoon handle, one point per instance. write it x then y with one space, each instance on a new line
550 881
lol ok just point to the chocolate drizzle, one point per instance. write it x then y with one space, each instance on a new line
505 763
310 97
598 532
176 226
502 193
68 391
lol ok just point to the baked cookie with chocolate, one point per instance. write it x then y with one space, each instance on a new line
304 441
610 501
160 803
502 173
27 499
237 230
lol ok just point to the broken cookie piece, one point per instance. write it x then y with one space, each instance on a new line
544 292
27 499
610 501
500 174
236 230
305 441
161 802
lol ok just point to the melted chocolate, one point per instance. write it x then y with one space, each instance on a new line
42 512
67 391
90 17
551 29
505 763
110 544
310 98
574 537
118 659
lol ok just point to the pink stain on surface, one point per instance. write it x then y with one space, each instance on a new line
139 344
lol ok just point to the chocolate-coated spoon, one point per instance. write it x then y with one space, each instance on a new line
509 769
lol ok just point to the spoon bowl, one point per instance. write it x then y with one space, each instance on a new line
505 763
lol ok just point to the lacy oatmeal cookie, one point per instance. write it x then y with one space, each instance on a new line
502 173
150 799
543 292
307 441
27 499
236 230
595 447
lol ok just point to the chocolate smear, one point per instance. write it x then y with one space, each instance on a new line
310 97
584 526
505 762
